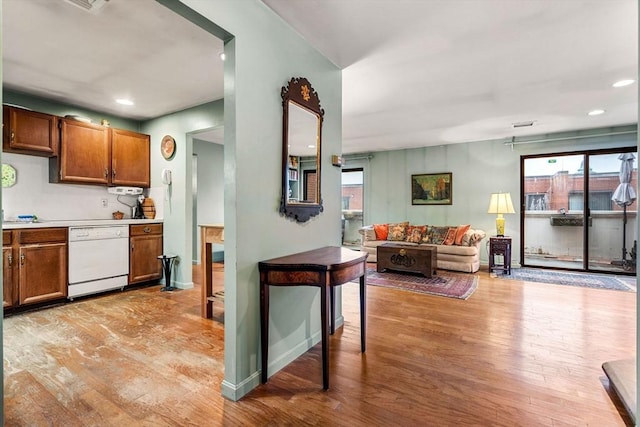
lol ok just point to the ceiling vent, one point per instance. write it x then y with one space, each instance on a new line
523 124
92 6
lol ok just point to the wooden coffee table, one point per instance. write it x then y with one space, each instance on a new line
414 259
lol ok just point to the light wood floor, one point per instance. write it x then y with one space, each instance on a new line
514 353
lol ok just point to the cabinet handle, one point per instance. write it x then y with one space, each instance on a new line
132 246
147 230
106 173
21 259
113 173
10 259
13 135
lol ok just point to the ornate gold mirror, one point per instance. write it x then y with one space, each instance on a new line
301 148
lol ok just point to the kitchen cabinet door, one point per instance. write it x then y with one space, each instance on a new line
8 285
130 158
145 246
43 272
29 132
7 277
85 152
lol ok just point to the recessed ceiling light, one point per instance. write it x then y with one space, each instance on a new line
222 56
623 83
596 112
311 146
123 101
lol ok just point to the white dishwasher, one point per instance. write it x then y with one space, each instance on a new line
98 259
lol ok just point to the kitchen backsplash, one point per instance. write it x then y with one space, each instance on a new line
33 194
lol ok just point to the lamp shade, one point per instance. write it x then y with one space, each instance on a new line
500 203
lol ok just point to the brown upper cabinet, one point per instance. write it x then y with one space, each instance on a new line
84 153
29 132
130 158
94 154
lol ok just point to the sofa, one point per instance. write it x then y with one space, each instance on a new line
458 247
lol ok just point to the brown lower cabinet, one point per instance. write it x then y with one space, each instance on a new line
145 245
35 265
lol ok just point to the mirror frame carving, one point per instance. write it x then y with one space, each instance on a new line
300 91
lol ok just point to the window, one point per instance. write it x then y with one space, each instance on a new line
598 201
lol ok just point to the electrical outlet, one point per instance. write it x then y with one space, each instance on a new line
105 203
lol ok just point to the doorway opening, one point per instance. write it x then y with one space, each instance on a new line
352 206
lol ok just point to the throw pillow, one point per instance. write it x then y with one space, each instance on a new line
382 230
437 235
471 237
397 232
370 235
460 233
450 238
426 236
415 233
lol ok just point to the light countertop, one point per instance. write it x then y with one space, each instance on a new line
12 225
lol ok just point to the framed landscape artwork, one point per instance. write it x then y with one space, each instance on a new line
432 189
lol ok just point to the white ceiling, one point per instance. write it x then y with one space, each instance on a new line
134 49
416 72
431 72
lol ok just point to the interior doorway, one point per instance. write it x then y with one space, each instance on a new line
352 205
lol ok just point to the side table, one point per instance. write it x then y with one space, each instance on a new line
500 246
167 263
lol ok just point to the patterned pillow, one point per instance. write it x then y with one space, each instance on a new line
382 230
460 233
370 235
426 236
450 238
397 232
415 233
437 235
471 237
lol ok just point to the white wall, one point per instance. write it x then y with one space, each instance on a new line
210 192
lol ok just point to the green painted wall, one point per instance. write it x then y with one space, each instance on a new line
478 168
262 56
178 203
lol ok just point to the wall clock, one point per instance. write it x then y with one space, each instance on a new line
168 147
8 175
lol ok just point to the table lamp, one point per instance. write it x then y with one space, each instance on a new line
500 203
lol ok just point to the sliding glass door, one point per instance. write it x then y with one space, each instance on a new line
553 232
580 211
613 211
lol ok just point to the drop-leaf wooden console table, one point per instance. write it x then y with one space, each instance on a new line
325 268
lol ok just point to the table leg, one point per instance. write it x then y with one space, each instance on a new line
332 318
264 328
207 280
363 311
324 308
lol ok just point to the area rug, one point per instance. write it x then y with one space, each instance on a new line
599 281
444 284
